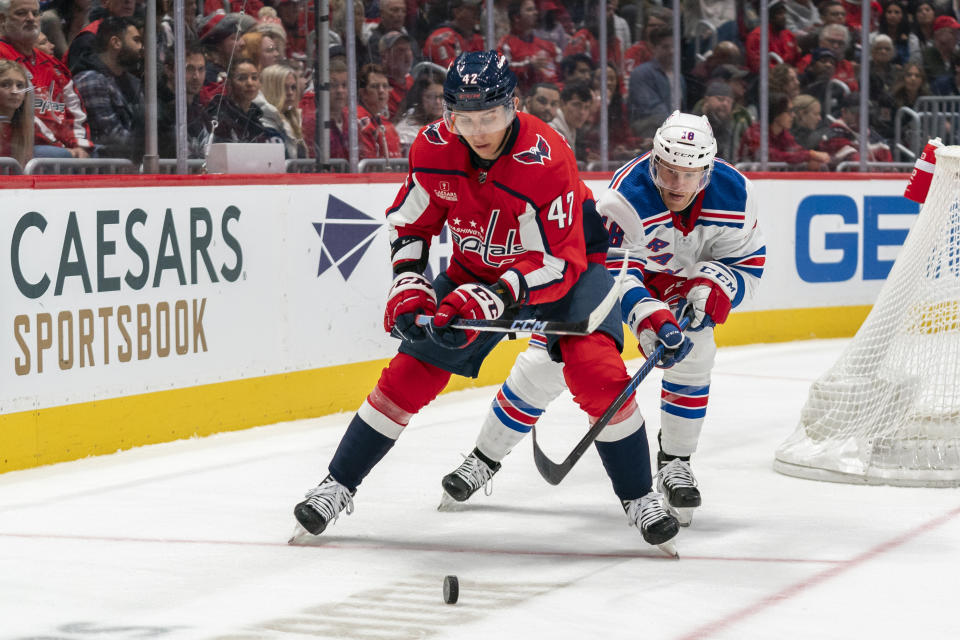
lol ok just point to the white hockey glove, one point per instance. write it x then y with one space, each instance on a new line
653 324
708 295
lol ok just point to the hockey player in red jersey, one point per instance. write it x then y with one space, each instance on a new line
690 223
507 188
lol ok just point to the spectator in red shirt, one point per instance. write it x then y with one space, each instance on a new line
531 58
294 22
456 36
781 41
783 147
59 117
396 55
378 136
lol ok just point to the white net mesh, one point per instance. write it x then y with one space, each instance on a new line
888 411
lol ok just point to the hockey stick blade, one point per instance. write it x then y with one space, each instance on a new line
555 327
554 472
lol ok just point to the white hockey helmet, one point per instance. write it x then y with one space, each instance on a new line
685 141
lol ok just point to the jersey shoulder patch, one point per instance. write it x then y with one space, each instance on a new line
432 133
539 153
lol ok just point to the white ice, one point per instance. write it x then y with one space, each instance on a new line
187 540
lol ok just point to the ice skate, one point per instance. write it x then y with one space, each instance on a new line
675 480
322 507
657 526
474 472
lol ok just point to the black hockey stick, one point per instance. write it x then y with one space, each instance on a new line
554 472
555 327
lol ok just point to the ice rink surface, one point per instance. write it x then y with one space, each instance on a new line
188 540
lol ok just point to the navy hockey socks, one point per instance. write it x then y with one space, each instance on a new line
359 451
627 462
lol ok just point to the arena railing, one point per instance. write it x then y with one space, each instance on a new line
66 166
10 167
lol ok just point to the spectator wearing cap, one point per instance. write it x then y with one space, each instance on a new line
396 55
781 40
836 38
378 137
818 72
220 37
783 147
60 120
83 47
393 14
198 120
457 35
938 55
542 101
533 59
110 91
575 101
650 101
717 105
237 116
842 139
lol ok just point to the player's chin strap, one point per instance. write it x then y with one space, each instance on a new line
554 472
554 327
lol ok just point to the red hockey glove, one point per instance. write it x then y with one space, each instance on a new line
706 304
410 295
709 295
473 301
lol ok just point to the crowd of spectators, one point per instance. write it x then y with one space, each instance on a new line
249 62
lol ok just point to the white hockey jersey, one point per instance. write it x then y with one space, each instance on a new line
720 239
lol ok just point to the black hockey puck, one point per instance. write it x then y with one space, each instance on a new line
451 589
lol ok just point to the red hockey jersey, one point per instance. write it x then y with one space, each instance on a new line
59 116
522 215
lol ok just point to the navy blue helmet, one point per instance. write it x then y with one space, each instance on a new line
478 80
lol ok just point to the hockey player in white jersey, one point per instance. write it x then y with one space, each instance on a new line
689 223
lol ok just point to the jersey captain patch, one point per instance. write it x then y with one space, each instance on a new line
536 154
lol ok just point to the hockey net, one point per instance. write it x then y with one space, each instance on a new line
888 411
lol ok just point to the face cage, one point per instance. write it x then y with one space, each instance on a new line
474 123
679 181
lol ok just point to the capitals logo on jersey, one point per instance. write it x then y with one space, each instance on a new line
536 154
432 134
